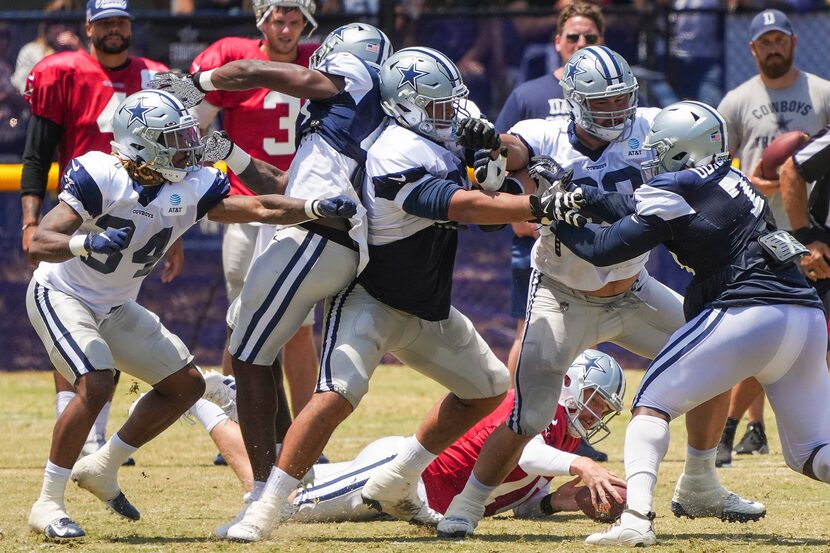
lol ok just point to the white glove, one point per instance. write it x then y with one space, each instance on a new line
490 172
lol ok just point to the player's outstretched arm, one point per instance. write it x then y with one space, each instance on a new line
259 176
274 209
53 241
288 78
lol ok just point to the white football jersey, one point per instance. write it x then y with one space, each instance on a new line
616 168
99 189
398 163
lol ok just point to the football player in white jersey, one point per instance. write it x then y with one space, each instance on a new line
400 303
303 264
574 304
118 213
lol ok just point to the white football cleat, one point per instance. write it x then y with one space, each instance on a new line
221 390
715 503
461 518
88 474
50 519
221 532
394 494
258 522
632 530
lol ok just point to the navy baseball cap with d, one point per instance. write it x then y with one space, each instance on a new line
770 20
102 9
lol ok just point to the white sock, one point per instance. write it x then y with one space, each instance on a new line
62 399
280 484
412 458
700 464
477 492
99 428
208 414
115 452
821 464
646 443
55 479
256 490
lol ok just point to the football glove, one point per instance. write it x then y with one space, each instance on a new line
183 86
547 173
337 206
216 146
556 205
477 134
490 172
108 242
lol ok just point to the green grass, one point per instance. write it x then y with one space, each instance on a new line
182 496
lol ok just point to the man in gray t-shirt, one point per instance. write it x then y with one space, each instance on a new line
779 99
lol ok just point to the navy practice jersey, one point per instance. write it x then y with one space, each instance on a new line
409 183
99 189
350 120
710 219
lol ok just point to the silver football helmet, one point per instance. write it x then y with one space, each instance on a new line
596 73
361 39
263 8
685 134
422 90
593 374
151 127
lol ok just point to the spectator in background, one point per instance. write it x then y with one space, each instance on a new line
580 24
14 113
262 122
696 50
756 112
52 36
73 96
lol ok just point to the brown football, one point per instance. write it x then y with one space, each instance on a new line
583 499
778 151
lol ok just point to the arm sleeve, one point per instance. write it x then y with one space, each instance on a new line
609 207
218 190
430 198
812 160
624 240
543 460
81 192
42 139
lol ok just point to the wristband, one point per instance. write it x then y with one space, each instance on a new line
238 160
204 80
76 245
806 235
311 209
546 506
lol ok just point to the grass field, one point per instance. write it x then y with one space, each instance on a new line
182 496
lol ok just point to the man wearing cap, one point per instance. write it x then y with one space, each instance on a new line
262 122
73 96
781 98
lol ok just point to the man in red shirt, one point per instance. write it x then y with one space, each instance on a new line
262 122
73 96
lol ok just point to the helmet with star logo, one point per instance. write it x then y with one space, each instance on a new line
151 128
595 74
422 90
592 395
360 39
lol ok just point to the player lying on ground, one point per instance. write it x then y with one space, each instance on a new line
118 214
592 395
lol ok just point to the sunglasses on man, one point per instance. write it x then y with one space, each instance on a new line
590 38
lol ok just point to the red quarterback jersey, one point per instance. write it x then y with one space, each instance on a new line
260 121
75 91
447 475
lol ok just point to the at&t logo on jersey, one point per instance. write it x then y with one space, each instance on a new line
175 205
634 147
